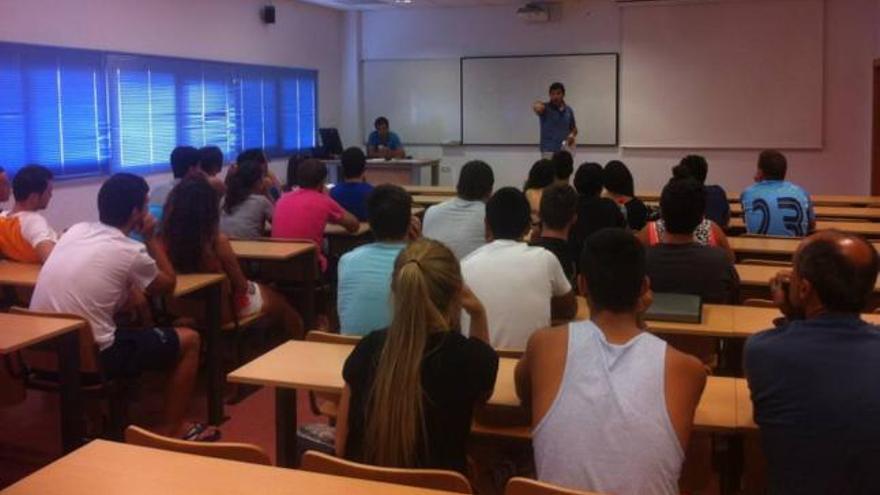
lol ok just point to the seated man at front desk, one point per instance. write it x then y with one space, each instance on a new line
383 143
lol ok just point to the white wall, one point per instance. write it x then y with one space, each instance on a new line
227 30
842 166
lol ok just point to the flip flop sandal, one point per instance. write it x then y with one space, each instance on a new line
200 432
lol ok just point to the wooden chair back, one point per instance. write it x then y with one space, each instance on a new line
46 360
510 353
242 452
759 303
331 338
435 479
525 486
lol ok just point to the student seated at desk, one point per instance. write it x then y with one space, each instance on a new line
272 188
90 273
775 206
365 273
814 378
184 163
410 390
541 175
460 223
522 287
618 182
680 264
211 163
706 233
25 235
563 162
305 212
245 209
594 212
717 206
191 236
558 215
612 405
382 143
351 193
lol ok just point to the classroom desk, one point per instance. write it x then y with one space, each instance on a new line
427 201
763 247
205 284
20 331
867 229
285 260
431 190
818 199
396 171
317 367
103 467
860 213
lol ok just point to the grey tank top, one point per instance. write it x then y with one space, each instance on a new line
608 430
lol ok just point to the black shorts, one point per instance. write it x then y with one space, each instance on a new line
137 350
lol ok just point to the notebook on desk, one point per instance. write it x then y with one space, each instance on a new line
680 308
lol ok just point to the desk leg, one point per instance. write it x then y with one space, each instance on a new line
215 374
311 275
729 461
285 427
67 347
435 174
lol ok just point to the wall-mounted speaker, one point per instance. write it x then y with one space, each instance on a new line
268 14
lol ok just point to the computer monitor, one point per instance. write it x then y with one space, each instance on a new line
330 142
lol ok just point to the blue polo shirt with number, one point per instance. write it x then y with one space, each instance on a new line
556 124
777 207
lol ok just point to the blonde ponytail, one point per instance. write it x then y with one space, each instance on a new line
425 282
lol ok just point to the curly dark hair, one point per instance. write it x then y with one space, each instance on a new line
240 184
190 223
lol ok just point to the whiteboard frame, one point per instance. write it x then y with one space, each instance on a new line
616 55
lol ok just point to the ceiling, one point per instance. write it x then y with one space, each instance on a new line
388 4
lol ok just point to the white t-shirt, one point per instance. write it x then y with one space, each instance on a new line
89 274
34 227
515 283
458 223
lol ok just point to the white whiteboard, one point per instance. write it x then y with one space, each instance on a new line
498 92
735 74
421 98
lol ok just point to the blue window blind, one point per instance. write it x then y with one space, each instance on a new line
84 112
53 109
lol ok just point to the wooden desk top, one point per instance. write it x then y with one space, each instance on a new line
861 228
339 230
192 282
429 200
763 245
760 275
25 275
318 367
20 331
108 467
719 320
430 190
830 212
272 250
818 199
19 274
296 364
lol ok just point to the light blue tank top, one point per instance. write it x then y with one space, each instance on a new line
608 430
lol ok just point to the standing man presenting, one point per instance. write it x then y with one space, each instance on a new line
557 122
383 143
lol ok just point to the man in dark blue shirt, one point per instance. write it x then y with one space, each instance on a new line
353 190
557 121
815 378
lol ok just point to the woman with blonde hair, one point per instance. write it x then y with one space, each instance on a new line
411 389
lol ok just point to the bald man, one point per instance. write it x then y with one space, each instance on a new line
815 378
